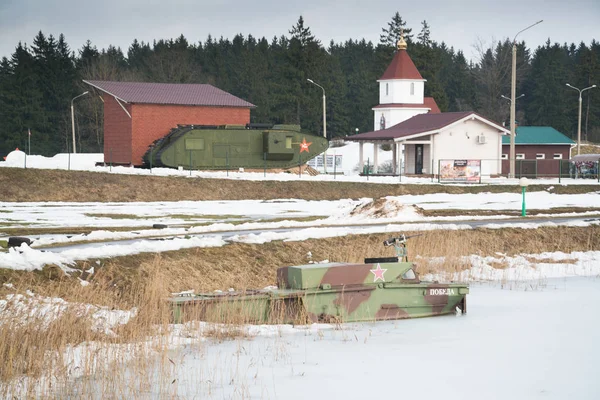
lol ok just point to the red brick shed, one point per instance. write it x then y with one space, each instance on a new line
138 113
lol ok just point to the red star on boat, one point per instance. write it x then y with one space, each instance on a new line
378 272
304 146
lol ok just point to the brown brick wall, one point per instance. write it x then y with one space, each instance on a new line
546 167
117 132
152 121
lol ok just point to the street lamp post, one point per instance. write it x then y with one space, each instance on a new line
507 98
513 89
510 101
523 182
73 120
579 119
324 121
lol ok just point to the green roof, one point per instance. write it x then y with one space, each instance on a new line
538 135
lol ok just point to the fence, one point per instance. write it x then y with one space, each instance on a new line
553 169
476 170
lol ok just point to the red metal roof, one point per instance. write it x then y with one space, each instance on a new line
401 67
170 93
418 124
429 102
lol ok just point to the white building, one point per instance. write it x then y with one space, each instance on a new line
406 119
401 92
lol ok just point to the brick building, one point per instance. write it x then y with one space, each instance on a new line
137 113
538 151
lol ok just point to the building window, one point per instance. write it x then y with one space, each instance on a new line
412 88
382 122
505 156
387 91
557 156
520 156
540 156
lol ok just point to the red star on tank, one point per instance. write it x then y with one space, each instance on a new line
304 146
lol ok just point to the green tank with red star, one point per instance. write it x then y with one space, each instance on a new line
254 146
379 289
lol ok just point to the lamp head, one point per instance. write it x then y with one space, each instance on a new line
310 80
523 182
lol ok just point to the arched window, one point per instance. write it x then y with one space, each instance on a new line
412 88
387 92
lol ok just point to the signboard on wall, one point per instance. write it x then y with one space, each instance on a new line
460 170
317 162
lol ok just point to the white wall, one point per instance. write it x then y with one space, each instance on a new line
399 91
394 116
460 142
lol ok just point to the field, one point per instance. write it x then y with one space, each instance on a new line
86 322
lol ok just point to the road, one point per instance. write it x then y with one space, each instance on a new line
356 229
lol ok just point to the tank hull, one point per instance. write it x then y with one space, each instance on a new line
330 293
205 147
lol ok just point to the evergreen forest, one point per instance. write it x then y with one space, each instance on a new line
38 81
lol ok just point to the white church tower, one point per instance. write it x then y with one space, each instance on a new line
401 91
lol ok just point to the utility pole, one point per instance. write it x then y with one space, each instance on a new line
513 90
324 122
73 120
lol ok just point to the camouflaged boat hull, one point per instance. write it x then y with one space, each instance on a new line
332 292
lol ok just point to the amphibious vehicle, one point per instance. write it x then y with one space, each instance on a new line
380 289
235 146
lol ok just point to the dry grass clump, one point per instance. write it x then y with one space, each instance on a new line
58 185
534 260
515 213
37 339
251 266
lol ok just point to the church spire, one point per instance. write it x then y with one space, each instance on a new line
402 43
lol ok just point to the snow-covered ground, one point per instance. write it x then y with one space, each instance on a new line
198 224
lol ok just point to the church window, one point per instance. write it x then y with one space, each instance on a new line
387 92
412 88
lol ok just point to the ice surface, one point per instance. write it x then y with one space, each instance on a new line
512 344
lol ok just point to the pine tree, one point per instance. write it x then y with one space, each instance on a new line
88 54
23 106
391 35
587 73
304 58
424 37
547 96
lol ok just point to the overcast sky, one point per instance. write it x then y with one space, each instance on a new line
459 23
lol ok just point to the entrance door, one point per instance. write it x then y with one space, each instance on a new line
418 159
